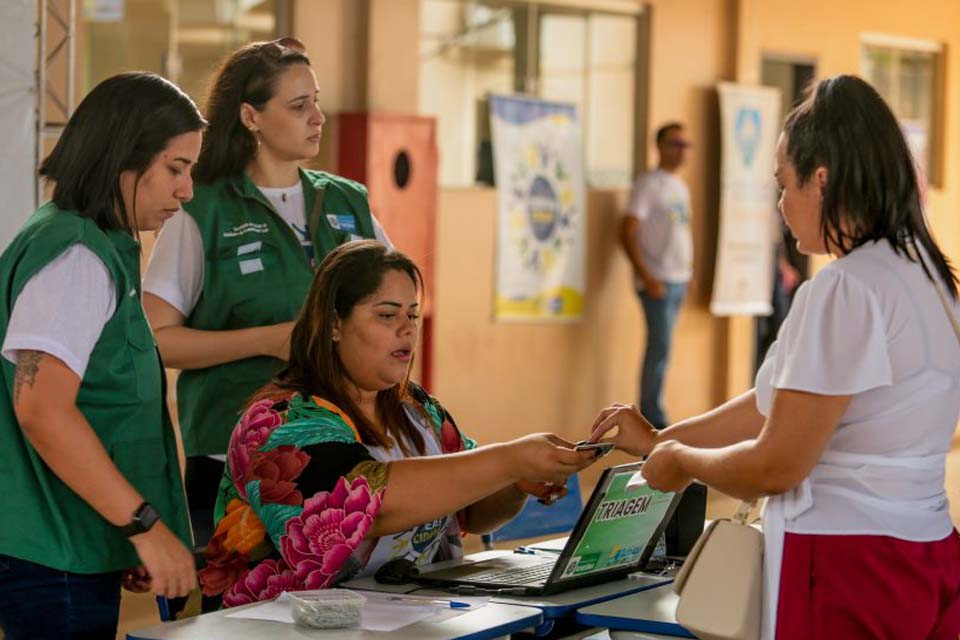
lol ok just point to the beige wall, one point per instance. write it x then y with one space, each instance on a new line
830 32
502 380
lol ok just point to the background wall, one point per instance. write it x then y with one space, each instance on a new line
504 380
835 43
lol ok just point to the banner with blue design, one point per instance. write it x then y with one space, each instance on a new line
749 231
541 239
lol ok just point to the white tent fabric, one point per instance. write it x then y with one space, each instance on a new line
18 118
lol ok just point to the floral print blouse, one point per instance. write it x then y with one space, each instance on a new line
300 492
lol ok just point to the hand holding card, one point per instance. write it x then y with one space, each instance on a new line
601 448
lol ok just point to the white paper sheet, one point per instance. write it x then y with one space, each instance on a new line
274 610
636 481
381 611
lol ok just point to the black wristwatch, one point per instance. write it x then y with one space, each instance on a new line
143 520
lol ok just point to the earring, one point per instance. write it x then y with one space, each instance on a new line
256 136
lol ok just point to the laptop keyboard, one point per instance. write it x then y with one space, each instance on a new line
536 574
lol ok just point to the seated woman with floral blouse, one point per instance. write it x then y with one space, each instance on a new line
342 464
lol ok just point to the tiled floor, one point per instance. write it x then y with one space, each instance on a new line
138 611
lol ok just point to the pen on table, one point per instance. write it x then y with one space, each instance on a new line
453 604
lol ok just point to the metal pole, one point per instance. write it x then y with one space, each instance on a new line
41 92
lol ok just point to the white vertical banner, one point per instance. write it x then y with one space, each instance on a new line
749 127
541 239
18 115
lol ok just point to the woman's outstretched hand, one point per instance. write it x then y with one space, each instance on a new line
544 457
635 434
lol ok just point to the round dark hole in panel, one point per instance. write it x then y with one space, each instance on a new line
401 170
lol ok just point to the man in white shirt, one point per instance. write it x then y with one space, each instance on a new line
655 234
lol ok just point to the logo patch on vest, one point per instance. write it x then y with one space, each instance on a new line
245 228
343 222
249 248
250 266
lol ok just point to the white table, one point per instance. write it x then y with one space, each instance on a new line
491 621
648 612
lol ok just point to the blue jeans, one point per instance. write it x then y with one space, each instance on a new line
38 602
661 316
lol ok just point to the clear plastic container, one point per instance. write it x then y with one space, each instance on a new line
326 608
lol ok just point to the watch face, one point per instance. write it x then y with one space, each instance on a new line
143 520
147 517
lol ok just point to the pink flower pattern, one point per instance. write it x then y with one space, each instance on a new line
327 540
254 429
267 580
332 525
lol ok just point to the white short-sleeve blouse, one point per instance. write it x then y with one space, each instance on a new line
870 325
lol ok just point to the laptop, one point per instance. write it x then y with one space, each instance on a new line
616 534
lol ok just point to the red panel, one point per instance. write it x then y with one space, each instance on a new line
369 145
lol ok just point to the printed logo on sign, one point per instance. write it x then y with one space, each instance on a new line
571 567
583 564
622 555
426 534
747 133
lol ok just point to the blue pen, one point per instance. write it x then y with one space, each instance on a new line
453 604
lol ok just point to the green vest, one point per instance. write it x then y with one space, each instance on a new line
255 274
121 395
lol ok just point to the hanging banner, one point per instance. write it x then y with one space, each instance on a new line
541 239
749 127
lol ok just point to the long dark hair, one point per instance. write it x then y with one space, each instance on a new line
871 192
348 275
249 75
121 125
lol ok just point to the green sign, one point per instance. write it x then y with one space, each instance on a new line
620 529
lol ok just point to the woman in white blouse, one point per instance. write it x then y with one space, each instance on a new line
854 408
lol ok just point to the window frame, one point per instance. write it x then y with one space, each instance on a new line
527 75
898 46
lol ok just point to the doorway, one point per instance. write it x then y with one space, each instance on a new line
791 76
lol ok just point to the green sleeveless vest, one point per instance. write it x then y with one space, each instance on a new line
121 395
255 274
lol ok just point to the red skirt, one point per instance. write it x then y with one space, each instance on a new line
876 587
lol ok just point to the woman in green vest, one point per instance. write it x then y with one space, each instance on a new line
92 492
228 276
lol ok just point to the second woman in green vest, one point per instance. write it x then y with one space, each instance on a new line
229 274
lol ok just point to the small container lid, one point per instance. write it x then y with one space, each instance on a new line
327 596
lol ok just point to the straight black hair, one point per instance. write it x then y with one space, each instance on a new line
121 125
871 192
249 75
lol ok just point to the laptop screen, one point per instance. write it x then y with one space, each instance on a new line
621 526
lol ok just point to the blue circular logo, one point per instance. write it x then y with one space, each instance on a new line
542 208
